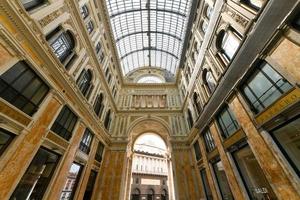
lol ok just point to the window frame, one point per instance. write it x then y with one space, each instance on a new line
33 4
282 150
209 142
57 123
257 68
8 142
225 134
86 141
19 93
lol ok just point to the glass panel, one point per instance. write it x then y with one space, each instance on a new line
100 149
288 139
227 122
222 181
209 141
21 87
197 150
154 41
37 177
31 4
71 183
207 190
90 186
64 123
86 141
150 79
253 176
262 95
230 44
5 139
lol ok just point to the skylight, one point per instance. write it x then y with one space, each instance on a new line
150 79
149 33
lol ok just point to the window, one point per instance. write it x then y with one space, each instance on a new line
90 27
99 152
23 88
90 186
208 11
196 102
84 82
164 194
100 52
287 137
32 4
222 180
197 150
204 26
296 22
136 194
252 175
190 118
65 123
62 43
263 87
209 141
137 181
209 80
205 184
229 44
150 79
256 4
150 194
5 139
227 122
86 141
84 11
107 120
98 106
37 177
72 182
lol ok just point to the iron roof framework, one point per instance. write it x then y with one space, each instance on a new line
149 33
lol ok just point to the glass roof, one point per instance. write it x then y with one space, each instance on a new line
149 33
150 79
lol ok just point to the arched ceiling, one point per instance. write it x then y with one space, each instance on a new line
149 33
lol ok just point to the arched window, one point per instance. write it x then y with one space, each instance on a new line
90 27
164 194
98 106
228 43
150 195
62 44
204 26
190 118
84 82
32 4
196 102
208 11
256 4
107 120
209 80
136 194
84 11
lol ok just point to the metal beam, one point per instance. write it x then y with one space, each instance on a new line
146 49
149 32
146 9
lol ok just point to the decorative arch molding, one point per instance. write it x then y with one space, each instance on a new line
145 124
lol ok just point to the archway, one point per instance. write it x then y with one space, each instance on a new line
149 159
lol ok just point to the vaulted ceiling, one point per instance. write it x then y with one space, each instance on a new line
149 33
